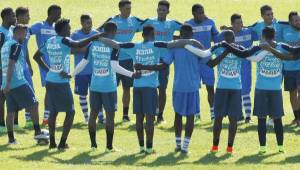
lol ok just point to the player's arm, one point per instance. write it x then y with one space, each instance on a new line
278 54
155 67
81 43
294 50
198 52
82 64
39 60
213 62
119 69
178 43
100 28
13 57
115 44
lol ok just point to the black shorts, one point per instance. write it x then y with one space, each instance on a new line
107 100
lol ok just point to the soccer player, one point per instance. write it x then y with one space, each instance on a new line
60 99
43 31
127 27
164 31
83 79
268 93
146 56
22 15
103 88
292 68
205 31
18 93
244 37
8 19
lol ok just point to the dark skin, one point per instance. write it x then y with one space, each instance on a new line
199 15
54 16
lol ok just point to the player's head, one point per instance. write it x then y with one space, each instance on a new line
19 32
86 22
236 22
186 31
110 29
294 20
125 8
198 12
163 8
8 16
63 28
228 36
54 12
268 34
22 14
148 33
267 13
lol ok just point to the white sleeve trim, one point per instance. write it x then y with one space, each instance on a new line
200 53
258 57
80 66
118 69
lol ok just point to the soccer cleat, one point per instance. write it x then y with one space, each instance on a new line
13 142
28 124
262 150
52 146
2 129
184 151
107 150
63 147
126 119
280 149
142 149
149 151
45 122
229 150
197 118
214 149
86 120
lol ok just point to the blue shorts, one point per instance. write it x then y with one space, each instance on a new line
246 77
163 77
145 100
126 81
59 97
19 98
291 80
207 75
228 102
28 77
82 83
268 103
186 103
107 100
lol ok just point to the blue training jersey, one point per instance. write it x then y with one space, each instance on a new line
291 36
59 51
145 53
13 50
164 30
127 27
229 70
5 35
103 77
205 32
78 35
186 70
42 31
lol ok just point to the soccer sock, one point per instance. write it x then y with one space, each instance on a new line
37 129
27 116
93 138
278 131
149 144
84 106
125 111
178 141
46 114
109 139
217 130
262 130
16 118
246 100
10 135
212 113
186 143
62 141
232 131
141 143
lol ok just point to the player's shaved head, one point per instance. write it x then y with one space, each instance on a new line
186 31
54 13
164 3
268 33
198 12
148 32
8 16
228 36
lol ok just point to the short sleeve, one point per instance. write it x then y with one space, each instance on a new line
34 29
176 25
169 57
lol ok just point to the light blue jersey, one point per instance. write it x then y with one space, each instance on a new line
127 27
229 70
58 50
291 36
5 35
13 50
145 53
103 77
269 72
78 35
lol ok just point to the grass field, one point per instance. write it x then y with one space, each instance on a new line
26 155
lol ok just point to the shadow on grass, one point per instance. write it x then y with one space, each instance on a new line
255 158
36 156
171 159
210 158
7 147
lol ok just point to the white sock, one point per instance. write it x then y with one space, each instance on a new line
84 106
212 113
178 142
46 114
186 143
246 100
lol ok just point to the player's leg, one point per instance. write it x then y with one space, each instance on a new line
43 74
126 101
246 79
2 119
163 77
178 130
208 78
81 89
262 131
52 127
139 124
68 122
16 120
149 129
10 127
231 133
189 128
96 105
210 99
28 77
290 85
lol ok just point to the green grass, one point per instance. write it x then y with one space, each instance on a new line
27 155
